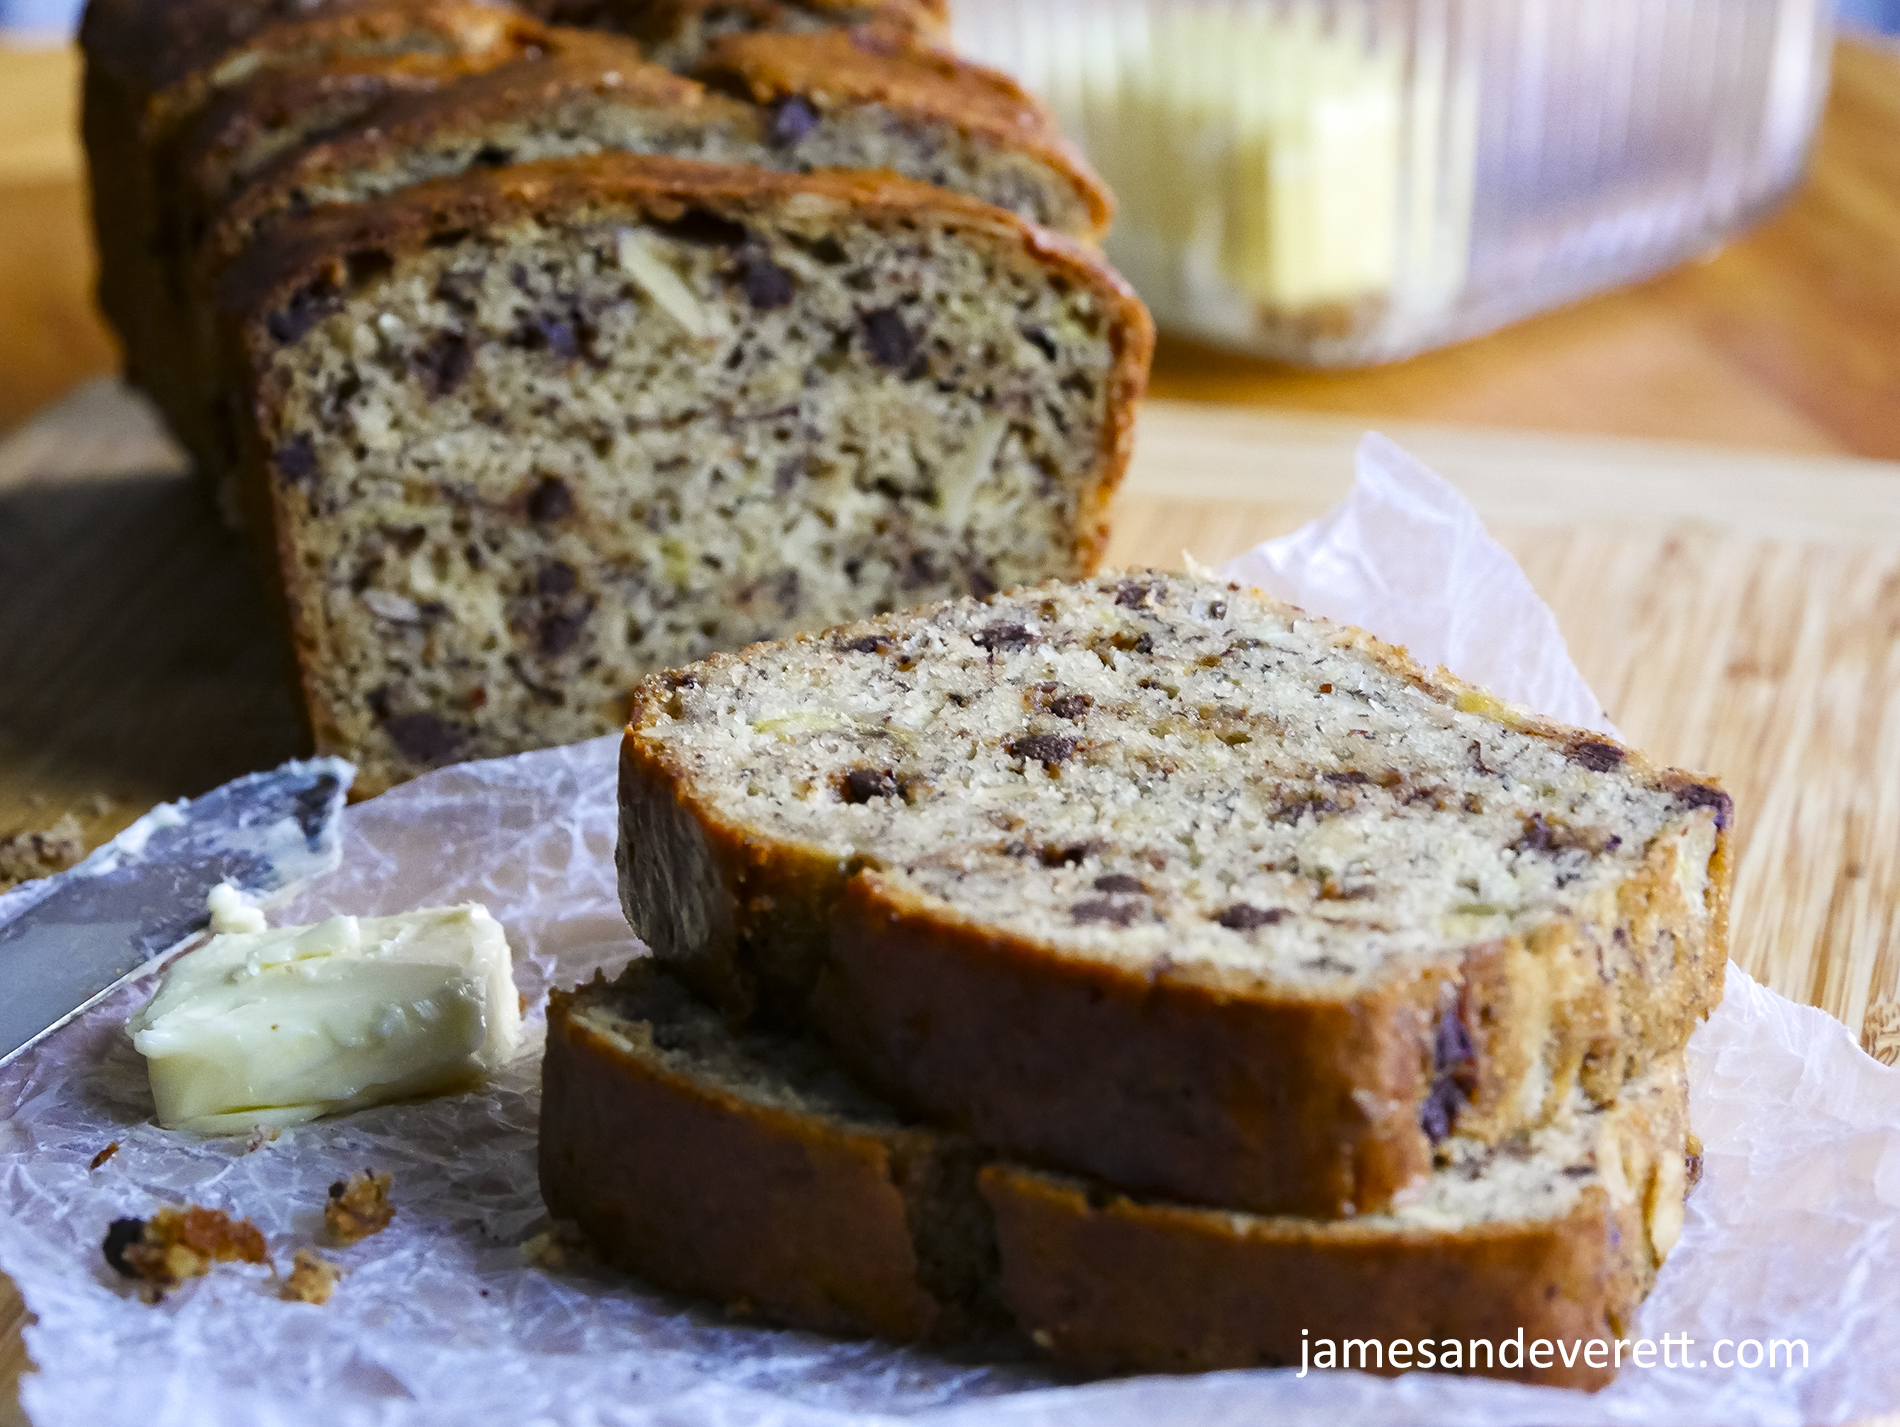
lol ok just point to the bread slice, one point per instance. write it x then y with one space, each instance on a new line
1154 878
585 93
749 1170
865 98
904 109
1554 1235
518 437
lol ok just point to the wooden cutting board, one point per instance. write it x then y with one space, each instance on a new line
1736 613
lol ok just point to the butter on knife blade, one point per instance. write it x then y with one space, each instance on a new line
279 1027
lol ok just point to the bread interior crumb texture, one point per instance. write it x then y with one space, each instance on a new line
526 465
1158 772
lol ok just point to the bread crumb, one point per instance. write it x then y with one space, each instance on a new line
358 1208
560 1246
312 1278
104 1155
180 1243
26 855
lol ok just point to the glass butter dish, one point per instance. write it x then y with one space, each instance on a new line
1344 182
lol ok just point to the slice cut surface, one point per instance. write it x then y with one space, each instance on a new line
523 435
1153 878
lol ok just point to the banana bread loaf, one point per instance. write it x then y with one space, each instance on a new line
1156 879
584 92
514 438
185 100
750 1170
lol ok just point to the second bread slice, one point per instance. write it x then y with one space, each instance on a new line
751 1171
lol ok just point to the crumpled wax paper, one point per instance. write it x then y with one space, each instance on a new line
442 1319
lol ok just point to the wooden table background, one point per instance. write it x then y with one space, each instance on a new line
1737 610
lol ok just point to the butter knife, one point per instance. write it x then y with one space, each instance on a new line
68 939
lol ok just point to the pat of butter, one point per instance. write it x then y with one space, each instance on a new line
279 1027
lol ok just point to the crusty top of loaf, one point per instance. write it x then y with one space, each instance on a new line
565 58
868 65
929 16
861 63
174 53
585 66
237 132
1157 771
570 63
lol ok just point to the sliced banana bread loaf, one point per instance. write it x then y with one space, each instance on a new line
585 92
750 1170
515 438
1156 879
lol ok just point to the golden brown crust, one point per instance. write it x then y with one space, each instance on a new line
577 65
142 47
221 153
1131 1287
1110 1284
317 249
677 30
573 64
1203 1087
1194 1089
862 65
426 27
784 1214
